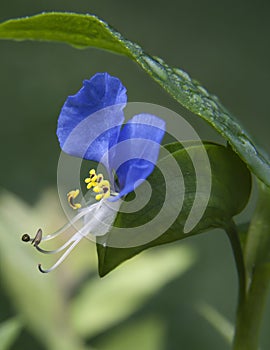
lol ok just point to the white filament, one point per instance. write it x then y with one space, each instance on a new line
98 219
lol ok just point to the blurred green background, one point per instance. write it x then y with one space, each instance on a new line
224 45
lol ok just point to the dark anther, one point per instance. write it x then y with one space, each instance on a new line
38 237
41 269
26 237
105 189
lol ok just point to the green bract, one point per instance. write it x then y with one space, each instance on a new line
231 185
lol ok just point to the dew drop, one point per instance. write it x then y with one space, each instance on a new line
182 74
156 67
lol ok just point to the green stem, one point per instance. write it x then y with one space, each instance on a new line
258 241
232 233
257 257
250 313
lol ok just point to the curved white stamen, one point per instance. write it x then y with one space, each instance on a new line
58 250
62 258
75 238
97 222
82 213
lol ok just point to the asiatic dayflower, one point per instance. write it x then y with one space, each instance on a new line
90 127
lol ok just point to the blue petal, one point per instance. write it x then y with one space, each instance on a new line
137 151
89 122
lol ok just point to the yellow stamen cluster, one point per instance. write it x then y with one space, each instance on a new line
71 196
100 186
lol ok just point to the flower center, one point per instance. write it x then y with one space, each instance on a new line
97 183
100 186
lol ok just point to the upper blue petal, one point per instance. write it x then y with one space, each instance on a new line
137 150
90 121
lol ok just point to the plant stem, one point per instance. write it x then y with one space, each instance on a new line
258 241
249 317
257 257
231 231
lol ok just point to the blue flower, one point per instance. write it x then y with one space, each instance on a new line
90 126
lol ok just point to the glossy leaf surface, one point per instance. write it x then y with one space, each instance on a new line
83 31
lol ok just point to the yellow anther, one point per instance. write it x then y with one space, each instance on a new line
91 180
106 194
73 193
77 206
92 175
99 185
71 196
91 184
104 183
99 178
97 189
99 196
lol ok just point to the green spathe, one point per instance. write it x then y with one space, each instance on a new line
231 186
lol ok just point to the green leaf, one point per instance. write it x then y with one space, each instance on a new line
84 31
9 331
231 186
